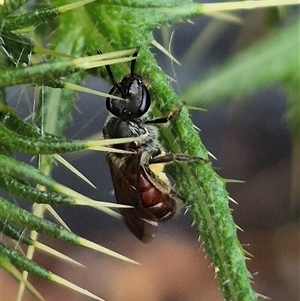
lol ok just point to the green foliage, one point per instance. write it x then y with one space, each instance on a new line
272 60
112 25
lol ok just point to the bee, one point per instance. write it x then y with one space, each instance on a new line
138 178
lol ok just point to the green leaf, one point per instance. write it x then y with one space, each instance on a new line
26 219
39 16
9 255
10 55
5 263
44 72
12 232
9 6
255 68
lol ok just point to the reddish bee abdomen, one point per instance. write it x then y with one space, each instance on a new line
158 203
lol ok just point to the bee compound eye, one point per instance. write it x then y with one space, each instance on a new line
145 102
139 101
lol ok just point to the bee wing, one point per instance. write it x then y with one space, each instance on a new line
125 175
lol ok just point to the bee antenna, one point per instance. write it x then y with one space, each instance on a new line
135 54
108 69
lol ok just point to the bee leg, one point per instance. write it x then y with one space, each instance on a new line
156 153
175 112
169 158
